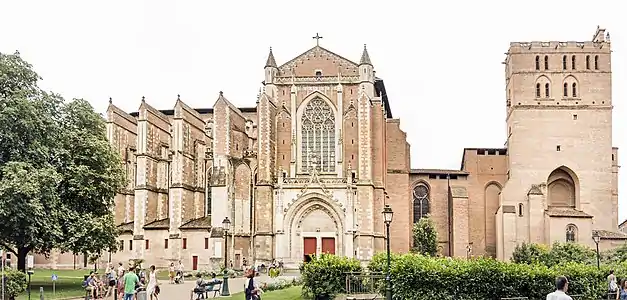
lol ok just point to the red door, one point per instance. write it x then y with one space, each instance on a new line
194 263
310 244
328 245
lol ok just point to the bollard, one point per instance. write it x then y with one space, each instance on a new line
41 293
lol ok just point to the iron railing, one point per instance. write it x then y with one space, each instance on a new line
364 283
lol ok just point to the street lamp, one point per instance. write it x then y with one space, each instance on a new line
596 238
387 218
226 225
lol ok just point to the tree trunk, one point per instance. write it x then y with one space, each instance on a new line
21 258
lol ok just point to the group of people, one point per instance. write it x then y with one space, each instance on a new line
615 290
128 283
176 273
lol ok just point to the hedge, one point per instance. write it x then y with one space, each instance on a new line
15 283
324 276
418 277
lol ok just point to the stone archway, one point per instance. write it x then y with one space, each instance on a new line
314 225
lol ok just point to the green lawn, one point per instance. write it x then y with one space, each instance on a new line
293 293
68 284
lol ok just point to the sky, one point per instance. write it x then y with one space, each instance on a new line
441 60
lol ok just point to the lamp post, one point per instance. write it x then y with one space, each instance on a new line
226 225
596 238
387 219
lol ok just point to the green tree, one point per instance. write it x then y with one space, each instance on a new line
425 237
58 173
526 253
558 253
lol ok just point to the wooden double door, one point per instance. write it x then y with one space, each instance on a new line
310 246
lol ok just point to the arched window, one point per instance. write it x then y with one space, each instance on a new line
573 64
562 189
564 63
546 62
574 90
421 202
537 90
318 137
565 89
546 90
537 62
571 233
587 62
596 62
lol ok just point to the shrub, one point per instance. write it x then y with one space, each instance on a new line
425 237
419 277
556 254
325 276
15 283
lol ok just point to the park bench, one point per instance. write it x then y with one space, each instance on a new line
214 286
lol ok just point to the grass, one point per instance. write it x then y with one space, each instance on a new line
67 285
292 293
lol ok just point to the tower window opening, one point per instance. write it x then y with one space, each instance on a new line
573 64
537 90
587 62
546 90
546 62
574 90
596 62
565 89
564 63
537 63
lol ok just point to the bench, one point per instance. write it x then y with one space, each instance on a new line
215 287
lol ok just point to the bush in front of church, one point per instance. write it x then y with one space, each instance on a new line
558 253
420 277
325 276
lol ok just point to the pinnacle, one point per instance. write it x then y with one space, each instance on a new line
271 62
365 58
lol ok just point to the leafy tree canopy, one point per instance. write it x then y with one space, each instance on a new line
58 172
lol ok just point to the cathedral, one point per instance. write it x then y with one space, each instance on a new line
309 168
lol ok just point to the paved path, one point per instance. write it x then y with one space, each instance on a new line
236 285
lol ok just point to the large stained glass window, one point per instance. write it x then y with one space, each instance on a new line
421 202
318 137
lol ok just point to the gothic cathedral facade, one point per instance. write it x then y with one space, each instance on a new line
309 168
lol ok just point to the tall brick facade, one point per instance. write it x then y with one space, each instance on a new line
309 168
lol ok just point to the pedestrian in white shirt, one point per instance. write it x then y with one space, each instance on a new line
562 287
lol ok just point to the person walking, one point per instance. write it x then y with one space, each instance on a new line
172 273
131 281
152 287
561 285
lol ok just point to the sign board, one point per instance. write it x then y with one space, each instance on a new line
55 277
30 261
